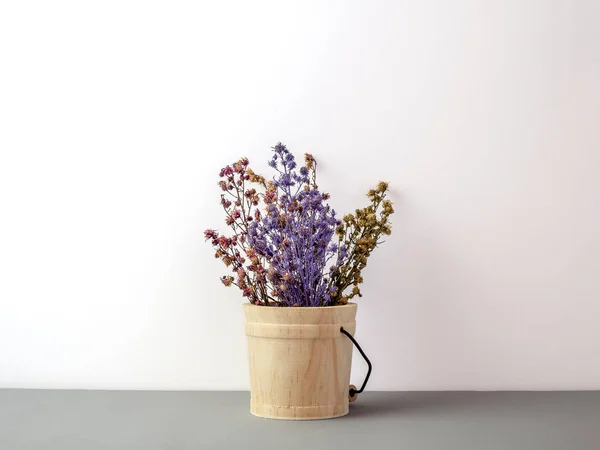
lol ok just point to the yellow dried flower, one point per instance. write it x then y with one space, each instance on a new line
253 177
361 236
382 186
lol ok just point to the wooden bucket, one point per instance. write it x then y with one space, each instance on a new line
299 360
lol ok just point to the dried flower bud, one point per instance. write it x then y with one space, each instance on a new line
210 234
382 186
309 160
227 280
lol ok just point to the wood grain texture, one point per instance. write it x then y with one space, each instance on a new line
299 361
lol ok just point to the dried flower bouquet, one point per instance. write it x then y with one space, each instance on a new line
287 248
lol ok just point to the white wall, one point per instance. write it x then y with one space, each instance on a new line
116 117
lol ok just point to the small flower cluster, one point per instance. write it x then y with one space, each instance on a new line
240 203
360 233
284 256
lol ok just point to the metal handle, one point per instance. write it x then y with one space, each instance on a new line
353 392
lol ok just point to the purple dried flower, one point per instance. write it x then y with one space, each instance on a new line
295 236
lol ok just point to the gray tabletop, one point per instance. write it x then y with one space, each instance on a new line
81 420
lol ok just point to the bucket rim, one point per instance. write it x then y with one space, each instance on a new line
301 308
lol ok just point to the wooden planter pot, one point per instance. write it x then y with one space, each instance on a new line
299 361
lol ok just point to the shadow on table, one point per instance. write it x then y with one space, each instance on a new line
380 404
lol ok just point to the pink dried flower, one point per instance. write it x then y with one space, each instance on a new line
210 234
270 197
